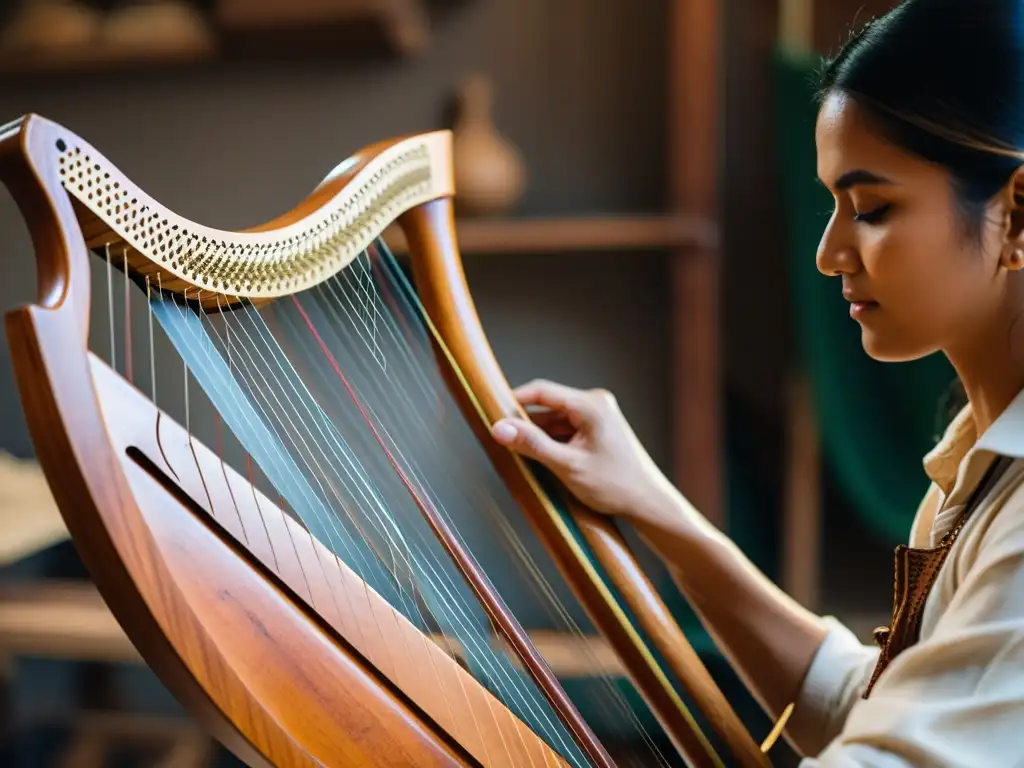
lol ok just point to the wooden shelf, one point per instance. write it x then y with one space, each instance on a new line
74 59
400 26
251 30
70 620
554 235
62 620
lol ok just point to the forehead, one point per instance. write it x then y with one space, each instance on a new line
846 141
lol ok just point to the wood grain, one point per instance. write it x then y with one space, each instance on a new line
325 588
234 647
430 231
287 663
249 664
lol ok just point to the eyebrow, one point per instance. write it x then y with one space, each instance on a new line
853 178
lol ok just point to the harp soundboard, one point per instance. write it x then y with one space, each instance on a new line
290 550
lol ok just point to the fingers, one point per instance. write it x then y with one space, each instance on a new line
573 402
554 423
533 442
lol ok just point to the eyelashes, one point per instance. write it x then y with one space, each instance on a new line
874 216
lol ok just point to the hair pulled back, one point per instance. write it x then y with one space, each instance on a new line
944 81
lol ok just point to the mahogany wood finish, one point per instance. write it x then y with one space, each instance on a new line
441 283
329 592
283 666
234 648
235 645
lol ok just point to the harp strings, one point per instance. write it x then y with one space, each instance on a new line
464 486
483 496
268 379
285 433
405 558
414 406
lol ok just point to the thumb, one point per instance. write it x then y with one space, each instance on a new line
526 438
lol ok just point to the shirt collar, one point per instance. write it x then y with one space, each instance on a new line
960 459
942 463
1006 435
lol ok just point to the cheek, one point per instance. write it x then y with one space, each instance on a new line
923 272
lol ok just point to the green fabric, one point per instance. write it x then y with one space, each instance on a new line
876 420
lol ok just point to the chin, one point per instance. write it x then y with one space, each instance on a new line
886 348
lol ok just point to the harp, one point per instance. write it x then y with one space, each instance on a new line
290 557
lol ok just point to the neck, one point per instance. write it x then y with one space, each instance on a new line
989 397
992 369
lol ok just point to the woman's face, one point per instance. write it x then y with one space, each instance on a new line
916 281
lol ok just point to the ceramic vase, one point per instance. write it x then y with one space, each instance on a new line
489 171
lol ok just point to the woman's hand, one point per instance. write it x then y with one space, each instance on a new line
583 438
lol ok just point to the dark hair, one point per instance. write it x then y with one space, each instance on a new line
944 81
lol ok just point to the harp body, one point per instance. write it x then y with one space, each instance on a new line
286 655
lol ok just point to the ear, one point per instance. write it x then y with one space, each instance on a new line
1012 256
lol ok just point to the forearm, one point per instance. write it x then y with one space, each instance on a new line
768 637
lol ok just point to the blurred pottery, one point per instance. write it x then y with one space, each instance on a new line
50 24
158 24
489 170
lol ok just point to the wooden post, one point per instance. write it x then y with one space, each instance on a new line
801 540
693 141
801 514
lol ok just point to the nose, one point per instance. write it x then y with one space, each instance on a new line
837 255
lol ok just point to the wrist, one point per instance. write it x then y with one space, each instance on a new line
664 510
662 505
690 545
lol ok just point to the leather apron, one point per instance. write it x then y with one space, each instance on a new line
915 572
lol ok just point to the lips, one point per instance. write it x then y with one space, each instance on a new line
862 309
857 298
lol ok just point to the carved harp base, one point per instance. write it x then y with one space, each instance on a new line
254 667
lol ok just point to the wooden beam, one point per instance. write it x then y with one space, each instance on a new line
63 620
29 518
796 25
70 620
693 131
801 544
585 233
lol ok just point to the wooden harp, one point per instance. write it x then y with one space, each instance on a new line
312 599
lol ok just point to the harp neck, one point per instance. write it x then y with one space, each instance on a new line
310 243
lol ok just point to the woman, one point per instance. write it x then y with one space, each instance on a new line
920 139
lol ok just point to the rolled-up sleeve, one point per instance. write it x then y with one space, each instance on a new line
835 680
955 699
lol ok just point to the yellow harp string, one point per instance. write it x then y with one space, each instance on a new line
570 539
777 730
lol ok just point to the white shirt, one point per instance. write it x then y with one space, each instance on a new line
956 698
